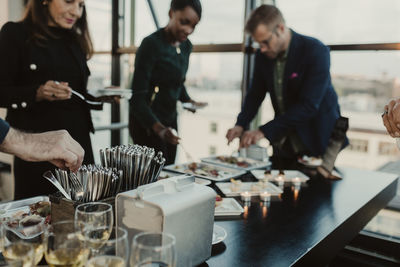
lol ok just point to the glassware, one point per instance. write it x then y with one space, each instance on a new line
23 239
153 249
64 246
114 252
94 221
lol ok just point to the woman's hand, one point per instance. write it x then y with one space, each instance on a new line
195 105
167 134
53 90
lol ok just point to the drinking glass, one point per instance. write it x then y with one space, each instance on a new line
64 245
94 221
23 240
153 249
114 252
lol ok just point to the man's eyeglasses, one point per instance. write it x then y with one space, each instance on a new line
266 43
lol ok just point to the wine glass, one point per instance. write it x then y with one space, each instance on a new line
94 221
22 240
153 249
113 252
64 245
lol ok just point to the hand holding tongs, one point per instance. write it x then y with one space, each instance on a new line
94 103
187 154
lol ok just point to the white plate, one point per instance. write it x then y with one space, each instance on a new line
123 93
202 181
224 173
228 207
167 174
219 234
289 175
191 106
254 188
311 162
253 164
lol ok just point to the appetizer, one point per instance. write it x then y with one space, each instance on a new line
234 160
218 200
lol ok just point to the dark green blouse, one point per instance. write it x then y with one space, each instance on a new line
159 64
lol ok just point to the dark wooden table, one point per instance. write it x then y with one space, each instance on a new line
308 231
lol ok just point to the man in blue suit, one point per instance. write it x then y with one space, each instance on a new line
294 70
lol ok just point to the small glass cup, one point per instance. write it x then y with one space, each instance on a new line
94 220
153 249
114 252
64 245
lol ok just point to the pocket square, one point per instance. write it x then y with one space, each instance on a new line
293 75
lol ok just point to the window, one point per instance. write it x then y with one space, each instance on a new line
213 127
214 78
99 17
344 21
358 145
217 15
388 149
212 150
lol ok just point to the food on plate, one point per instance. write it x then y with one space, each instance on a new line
37 212
267 175
30 220
235 185
41 208
192 166
256 187
218 200
311 161
240 162
201 169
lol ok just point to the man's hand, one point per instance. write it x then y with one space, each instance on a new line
250 138
57 147
233 133
391 117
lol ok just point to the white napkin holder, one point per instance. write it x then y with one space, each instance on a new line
176 205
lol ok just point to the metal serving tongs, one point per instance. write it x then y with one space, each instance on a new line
187 154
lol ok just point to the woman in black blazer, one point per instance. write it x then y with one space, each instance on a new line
43 58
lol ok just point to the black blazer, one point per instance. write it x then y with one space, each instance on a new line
25 65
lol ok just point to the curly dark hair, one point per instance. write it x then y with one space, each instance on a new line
181 4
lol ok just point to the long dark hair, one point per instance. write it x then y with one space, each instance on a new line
37 14
181 4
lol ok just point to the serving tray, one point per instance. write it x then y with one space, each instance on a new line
228 207
252 163
223 173
254 188
288 175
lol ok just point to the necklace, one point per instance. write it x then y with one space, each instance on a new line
178 49
176 44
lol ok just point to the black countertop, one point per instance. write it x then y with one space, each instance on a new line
308 231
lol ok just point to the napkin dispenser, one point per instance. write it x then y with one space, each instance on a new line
176 205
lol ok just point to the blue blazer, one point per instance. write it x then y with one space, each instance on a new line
310 101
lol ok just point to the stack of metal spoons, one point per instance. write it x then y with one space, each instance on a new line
139 164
